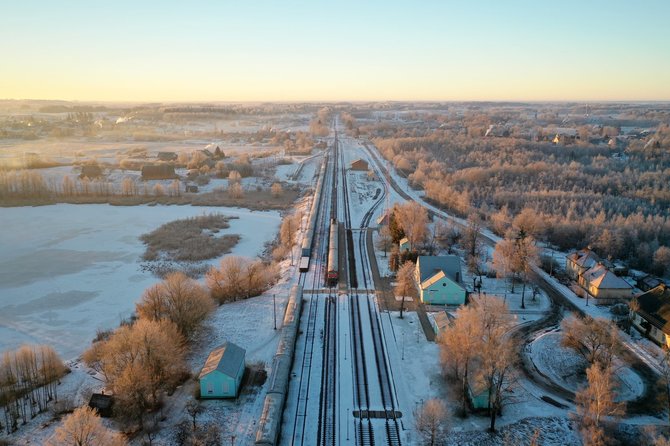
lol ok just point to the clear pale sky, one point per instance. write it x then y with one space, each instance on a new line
248 50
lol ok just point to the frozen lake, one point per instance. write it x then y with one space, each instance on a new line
68 270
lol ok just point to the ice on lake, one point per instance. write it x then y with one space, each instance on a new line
68 270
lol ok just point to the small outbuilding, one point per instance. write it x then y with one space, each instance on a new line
404 244
102 403
360 164
383 219
158 172
223 371
167 156
90 171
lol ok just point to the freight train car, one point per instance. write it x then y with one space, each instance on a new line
269 425
308 239
333 273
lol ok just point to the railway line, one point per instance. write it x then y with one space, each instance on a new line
376 417
306 402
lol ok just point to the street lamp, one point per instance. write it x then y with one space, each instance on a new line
274 309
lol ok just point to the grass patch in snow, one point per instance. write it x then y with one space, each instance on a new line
190 239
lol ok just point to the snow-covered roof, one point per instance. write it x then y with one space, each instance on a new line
431 280
655 307
563 131
442 320
584 258
604 279
430 267
227 359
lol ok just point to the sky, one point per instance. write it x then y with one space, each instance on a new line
255 50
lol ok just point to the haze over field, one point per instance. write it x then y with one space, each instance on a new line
316 50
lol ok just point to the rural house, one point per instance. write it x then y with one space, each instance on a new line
652 316
580 261
167 156
404 244
222 374
359 164
439 280
91 171
604 285
158 172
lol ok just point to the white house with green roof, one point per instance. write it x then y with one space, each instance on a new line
439 280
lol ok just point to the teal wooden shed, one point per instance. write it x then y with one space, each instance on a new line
222 374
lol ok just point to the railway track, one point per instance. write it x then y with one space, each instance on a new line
371 365
307 378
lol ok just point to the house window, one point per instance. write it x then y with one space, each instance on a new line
444 284
226 387
210 388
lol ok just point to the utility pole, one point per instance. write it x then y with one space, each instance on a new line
345 346
274 309
347 424
290 239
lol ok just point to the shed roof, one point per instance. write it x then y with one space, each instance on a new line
429 266
227 359
443 320
655 307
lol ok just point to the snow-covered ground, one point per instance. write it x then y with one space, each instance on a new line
565 367
69 270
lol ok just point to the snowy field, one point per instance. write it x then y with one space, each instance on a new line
68 270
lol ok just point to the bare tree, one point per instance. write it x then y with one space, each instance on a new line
138 361
384 242
83 427
413 218
276 190
431 421
471 239
128 187
178 299
503 260
498 352
159 190
459 347
596 339
447 235
515 256
405 284
239 277
234 177
595 403
193 409
235 190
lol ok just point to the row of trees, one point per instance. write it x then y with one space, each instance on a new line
579 193
29 380
288 233
31 184
240 278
